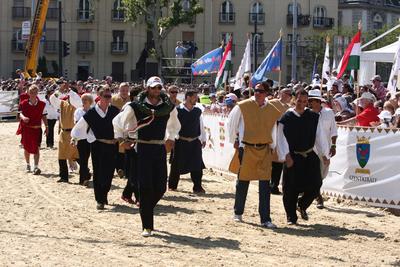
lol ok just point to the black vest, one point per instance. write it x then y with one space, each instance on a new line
190 122
101 127
156 129
300 132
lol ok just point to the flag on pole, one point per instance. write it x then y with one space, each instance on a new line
272 62
315 68
209 63
351 57
225 66
394 74
245 66
326 64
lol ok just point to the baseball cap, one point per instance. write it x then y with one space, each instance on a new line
154 81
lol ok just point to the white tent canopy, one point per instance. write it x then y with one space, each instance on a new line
369 59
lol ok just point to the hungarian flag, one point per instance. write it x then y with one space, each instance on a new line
351 57
225 66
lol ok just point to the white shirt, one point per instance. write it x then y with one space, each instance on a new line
78 114
52 112
74 99
235 125
321 146
203 135
126 120
328 123
80 130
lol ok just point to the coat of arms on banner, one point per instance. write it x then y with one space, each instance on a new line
363 149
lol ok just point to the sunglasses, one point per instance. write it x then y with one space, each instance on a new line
156 87
260 91
173 92
107 96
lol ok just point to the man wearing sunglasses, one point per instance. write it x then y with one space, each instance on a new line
252 127
97 128
152 144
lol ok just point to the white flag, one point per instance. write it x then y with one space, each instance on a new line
394 74
245 66
325 66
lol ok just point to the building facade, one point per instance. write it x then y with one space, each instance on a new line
101 43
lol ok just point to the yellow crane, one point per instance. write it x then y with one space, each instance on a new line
32 47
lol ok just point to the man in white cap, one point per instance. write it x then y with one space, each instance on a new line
328 124
152 144
368 115
377 88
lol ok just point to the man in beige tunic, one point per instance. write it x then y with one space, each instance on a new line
66 101
252 128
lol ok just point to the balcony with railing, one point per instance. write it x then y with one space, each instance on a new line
119 48
85 15
52 14
117 15
21 12
323 22
302 20
50 47
18 46
84 47
259 17
227 18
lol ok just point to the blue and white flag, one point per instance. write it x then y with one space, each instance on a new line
209 63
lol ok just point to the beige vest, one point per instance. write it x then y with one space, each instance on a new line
118 101
66 115
65 149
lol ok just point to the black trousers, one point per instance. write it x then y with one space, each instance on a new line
276 173
120 161
152 180
174 177
63 169
50 136
84 153
291 201
103 161
131 187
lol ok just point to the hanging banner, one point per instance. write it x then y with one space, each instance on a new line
365 167
8 102
26 30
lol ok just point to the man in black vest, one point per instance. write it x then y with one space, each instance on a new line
151 146
96 126
188 147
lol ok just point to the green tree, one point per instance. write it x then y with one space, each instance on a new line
161 17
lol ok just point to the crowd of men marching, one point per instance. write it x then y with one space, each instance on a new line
129 129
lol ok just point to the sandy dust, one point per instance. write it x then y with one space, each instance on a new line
46 223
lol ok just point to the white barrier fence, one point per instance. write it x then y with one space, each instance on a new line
365 168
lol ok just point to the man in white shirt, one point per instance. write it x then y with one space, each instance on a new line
328 123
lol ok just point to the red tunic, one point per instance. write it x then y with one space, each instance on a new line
31 131
368 115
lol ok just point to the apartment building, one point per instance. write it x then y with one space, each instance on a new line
101 43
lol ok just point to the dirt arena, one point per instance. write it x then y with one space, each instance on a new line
44 223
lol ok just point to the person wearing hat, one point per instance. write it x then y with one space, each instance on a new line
154 139
187 157
251 127
300 140
369 115
386 118
282 103
328 125
97 128
67 101
377 88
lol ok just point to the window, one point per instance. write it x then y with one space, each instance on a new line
185 5
118 13
290 9
227 7
319 12
377 21
84 10
18 3
257 13
226 14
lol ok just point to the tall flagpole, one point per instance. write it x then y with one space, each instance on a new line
280 68
356 86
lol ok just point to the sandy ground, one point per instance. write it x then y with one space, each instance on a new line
46 223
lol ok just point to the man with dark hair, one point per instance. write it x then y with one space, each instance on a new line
187 155
96 126
300 140
155 110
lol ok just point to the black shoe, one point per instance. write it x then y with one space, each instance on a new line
199 191
100 206
320 202
303 214
62 181
275 191
291 223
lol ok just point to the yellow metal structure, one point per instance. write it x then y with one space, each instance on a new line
32 47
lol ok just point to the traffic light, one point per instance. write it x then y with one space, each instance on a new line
65 49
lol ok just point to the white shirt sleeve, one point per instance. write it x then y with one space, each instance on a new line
173 125
333 125
74 99
233 123
123 122
273 133
203 135
321 146
282 144
55 101
80 131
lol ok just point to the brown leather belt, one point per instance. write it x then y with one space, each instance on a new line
34 126
255 145
108 141
304 153
188 139
67 130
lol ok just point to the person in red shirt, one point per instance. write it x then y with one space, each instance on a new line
32 115
369 115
